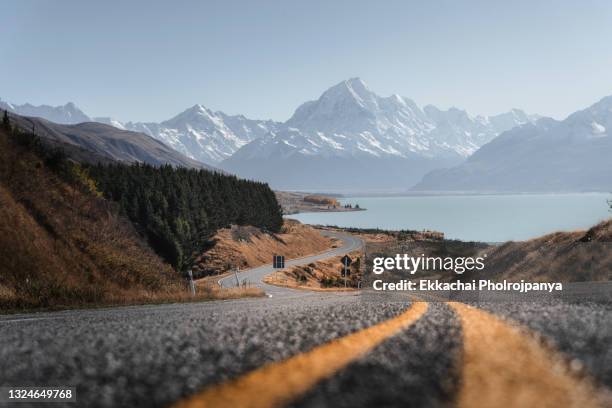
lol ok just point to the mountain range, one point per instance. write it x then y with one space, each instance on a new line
351 139
67 114
349 136
199 133
574 154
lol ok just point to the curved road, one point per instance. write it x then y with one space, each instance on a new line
255 276
319 349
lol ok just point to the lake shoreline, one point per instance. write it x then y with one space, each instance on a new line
482 218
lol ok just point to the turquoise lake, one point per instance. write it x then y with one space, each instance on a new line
489 218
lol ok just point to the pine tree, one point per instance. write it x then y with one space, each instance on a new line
6 122
178 209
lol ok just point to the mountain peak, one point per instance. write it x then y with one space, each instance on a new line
197 108
358 86
68 113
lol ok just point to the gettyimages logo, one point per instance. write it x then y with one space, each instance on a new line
410 264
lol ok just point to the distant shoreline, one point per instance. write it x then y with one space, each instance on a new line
466 193
332 210
300 203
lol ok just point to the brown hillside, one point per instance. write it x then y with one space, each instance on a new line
325 274
559 257
247 247
62 245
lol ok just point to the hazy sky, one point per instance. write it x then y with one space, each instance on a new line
150 60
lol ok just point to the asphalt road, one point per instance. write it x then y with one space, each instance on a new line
255 276
154 356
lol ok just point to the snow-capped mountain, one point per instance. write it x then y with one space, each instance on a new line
350 120
67 114
549 155
352 123
202 134
110 121
199 133
349 132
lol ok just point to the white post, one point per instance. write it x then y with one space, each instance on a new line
192 283
236 275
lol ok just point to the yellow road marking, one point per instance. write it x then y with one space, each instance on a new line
504 367
279 383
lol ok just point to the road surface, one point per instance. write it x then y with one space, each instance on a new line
319 349
255 276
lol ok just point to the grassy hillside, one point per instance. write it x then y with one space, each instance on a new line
248 247
558 257
61 243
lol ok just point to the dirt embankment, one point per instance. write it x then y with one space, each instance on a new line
248 247
321 275
558 257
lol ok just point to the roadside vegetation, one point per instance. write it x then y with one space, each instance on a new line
64 245
564 256
178 210
573 256
326 274
248 247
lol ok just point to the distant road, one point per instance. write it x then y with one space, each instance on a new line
255 276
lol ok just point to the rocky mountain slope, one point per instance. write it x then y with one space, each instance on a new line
96 142
548 155
203 135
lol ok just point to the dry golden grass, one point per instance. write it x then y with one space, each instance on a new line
249 247
213 291
559 257
63 246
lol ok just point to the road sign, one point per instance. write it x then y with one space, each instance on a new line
346 261
278 261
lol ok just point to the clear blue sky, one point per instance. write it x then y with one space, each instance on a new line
150 60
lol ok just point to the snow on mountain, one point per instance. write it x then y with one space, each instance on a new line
109 121
199 133
204 135
66 114
351 122
348 121
548 155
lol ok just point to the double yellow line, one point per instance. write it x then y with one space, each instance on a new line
501 365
